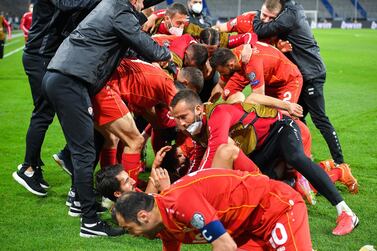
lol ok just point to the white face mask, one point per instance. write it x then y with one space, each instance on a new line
195 127
197 8
177 31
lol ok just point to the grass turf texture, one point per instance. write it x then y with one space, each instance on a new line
31 223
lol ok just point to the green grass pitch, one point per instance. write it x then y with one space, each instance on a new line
31 223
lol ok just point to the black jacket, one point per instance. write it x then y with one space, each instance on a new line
202 19
93 50
291 25
51 20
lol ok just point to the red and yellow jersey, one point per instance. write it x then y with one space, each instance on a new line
26 23
242 24
143 85
241 201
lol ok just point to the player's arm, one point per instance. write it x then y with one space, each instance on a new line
224 242
22 25
282 23
292 108
128 28
222 27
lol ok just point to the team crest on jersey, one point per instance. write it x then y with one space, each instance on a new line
197 221
252 76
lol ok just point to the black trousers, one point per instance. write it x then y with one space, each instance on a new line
2 45
313 102
70 99
42 115
284 143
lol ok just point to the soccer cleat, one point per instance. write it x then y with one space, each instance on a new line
30 183
348 179
345 223
61 161
327 165
303 187
98 229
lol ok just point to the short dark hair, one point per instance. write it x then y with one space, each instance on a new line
130 203
199 54
106 181
187 95
274 5
194 77
176 8
210 36
221 57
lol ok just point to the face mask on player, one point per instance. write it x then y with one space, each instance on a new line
195 127
177 31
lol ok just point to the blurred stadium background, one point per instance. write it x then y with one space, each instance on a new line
347 14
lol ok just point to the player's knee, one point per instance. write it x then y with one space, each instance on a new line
137 143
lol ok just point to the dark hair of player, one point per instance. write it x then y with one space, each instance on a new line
106 181
176 8
194 77
197 55
189 96
221 57
210 36
130 203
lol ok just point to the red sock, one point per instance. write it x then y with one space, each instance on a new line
243 163
108 157
131 164
335 174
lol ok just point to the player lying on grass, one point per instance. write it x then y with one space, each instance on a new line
232 210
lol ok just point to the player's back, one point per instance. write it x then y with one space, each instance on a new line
143 85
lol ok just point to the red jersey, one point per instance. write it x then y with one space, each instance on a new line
135 85
248 206
216 131
269 67
242 24
143 85
4 23
26 23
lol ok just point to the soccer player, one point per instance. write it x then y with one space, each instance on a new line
26 22
80 68
4 24
241 24
262 133
267 72
113 181
286 19
232 210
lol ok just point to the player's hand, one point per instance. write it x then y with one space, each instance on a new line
160 178
216 93
284 46
160 156
294 109
246 53
151 23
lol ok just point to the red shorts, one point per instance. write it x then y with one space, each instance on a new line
290 232
108 105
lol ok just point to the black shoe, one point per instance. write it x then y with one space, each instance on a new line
70 197
39 177
99 228
30 183
75 209
63 162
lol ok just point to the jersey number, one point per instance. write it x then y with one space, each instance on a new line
287 96
279 236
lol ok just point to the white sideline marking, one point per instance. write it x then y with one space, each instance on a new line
14 51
